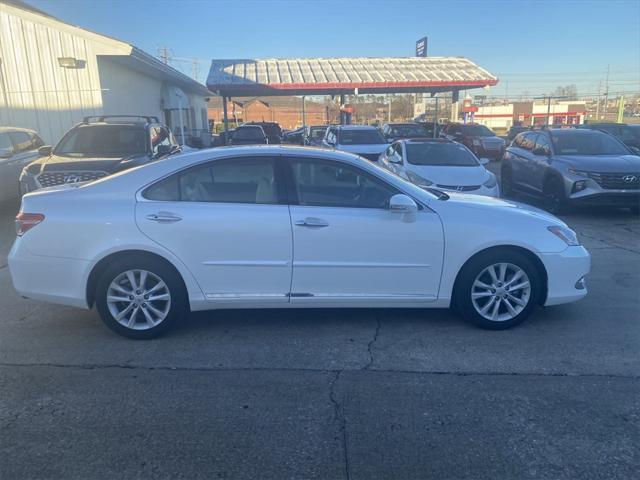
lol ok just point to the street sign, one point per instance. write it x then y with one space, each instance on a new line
421 47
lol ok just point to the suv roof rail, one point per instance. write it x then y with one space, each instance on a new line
102 118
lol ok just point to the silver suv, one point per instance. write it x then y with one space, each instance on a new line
569 166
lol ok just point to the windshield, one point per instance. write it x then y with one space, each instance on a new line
407 131
103 141
440 154
477 131
248 133
361 137
591 143
317 133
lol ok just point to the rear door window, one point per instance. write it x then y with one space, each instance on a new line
238 180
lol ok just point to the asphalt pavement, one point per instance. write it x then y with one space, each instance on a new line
332 394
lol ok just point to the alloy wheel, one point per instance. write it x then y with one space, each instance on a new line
500 292
138 299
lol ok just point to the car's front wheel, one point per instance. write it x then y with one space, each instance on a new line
140 297
498 289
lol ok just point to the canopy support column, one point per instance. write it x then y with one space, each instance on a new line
225 119
455 98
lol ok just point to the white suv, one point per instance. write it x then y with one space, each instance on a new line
364 140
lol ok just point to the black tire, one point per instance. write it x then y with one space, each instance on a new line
177 307
473 268
555 198
506 181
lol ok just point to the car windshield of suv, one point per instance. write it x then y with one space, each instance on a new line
103 141
361 137
477 131
440 154
407 131
248 133
592 143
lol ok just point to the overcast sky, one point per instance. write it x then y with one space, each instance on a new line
533 46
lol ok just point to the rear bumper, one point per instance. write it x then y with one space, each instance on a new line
565 270
51 279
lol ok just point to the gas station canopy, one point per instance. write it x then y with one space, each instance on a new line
344 76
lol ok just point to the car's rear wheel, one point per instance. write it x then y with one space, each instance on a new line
140 298
498 289
555 200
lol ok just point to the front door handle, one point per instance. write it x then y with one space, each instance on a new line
312 222
164 217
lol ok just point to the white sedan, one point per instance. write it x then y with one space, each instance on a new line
275 226
440 163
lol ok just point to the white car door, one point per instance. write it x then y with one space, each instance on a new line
228 221
349 247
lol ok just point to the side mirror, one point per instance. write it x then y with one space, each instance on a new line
401 203
395 160
45 151
484 161
540 151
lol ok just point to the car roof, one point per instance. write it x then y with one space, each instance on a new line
425 140
16 129
576 131
357 127
401 123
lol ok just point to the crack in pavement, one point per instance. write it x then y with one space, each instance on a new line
371 343
123 366
338 415
606 242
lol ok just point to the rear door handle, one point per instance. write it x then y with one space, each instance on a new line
312 222
164 217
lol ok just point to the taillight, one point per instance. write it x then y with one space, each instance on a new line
26 221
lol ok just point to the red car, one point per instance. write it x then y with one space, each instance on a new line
477 138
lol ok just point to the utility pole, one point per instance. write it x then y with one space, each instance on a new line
606 94
598 101
163 53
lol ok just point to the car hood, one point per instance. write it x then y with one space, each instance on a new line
492 203
602 163
370 148
444 175
110 164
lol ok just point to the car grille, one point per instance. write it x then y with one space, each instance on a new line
50 179
616 181
491 145
370 156
460 188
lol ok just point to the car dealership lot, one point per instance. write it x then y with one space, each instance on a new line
332 393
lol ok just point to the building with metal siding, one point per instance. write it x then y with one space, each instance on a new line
52 74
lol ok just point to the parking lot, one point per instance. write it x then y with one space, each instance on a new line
330 394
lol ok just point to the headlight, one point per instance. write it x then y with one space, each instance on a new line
418 180
567 235
580 173
32 169
491 182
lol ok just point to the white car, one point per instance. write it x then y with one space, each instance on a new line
440 163
364 140
275 226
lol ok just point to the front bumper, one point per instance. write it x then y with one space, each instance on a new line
565 274
611 198
489 192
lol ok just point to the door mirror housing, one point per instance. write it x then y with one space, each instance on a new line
395 160
541 151
484 161
401 203
45 150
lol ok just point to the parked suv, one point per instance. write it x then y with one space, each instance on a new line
97 147
572 166
271 129
18 148
363 140
627 134
248 135
396 131
477 138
